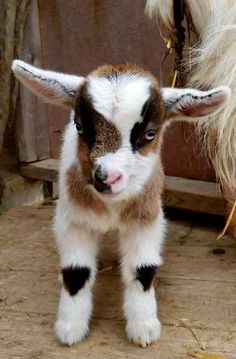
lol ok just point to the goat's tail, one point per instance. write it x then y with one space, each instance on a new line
213 63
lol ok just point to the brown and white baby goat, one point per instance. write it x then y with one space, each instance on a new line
111 178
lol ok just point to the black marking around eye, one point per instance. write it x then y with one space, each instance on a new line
145 274
85 113
149 115
149 107
74 278
101 135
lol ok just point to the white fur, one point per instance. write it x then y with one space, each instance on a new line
74 313
77 247
120 100
140 307
136 170
77 229
162 9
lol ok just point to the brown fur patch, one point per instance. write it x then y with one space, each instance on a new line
85 161
81 194
107 138
112 70
102 135
144 208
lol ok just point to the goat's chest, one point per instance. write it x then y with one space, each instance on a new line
104 222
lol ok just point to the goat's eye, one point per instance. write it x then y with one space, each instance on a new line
150 135
79 128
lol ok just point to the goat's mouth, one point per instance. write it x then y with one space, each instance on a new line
107 191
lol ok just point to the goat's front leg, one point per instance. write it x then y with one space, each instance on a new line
141 256
78 250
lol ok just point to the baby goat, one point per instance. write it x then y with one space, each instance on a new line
111 177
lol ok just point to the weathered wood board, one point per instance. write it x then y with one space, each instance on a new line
179 192
46 170
32 122
13 15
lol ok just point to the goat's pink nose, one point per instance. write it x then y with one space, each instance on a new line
113 178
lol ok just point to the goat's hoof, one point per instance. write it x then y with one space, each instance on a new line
70 333
143 333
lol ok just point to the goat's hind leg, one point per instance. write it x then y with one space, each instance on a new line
78 250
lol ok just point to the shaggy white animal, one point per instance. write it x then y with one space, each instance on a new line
111 178
212 62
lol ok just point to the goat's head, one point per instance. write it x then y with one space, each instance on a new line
119 113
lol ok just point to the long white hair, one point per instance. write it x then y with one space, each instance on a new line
213 63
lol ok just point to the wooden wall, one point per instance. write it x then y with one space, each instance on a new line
77 36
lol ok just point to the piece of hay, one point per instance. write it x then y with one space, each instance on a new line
229 219
205 355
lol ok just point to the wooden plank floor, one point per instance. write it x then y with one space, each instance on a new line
196 293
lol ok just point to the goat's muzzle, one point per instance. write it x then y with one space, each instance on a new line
104 181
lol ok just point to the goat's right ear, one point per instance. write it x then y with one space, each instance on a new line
53 87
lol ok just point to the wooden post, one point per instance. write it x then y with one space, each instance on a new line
32 123
13 16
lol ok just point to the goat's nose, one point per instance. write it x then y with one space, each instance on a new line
99 177
104 180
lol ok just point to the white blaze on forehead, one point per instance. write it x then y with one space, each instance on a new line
120 98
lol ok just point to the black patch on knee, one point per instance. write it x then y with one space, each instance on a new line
74 278
145 275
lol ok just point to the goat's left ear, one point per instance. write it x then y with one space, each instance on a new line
190 103
53 87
